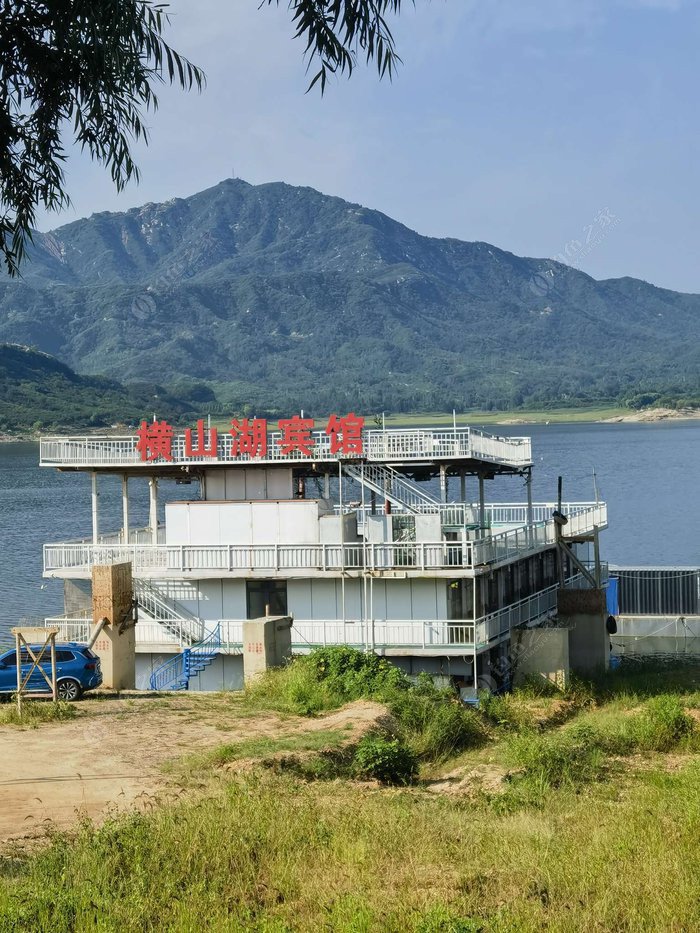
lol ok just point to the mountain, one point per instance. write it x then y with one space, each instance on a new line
40 393
281 297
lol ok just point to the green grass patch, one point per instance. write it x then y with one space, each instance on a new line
270 853
35 712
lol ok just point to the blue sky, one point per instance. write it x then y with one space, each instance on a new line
515 122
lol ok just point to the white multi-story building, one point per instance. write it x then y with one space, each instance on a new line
333 527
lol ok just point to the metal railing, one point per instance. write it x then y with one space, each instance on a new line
496 514
392 486
396 444
184 624
178 559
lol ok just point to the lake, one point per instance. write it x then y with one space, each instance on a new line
647 473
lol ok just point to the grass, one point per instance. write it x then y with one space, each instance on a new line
580 836
35 712
260 747
272 853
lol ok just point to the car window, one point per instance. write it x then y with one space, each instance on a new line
64 655
11 659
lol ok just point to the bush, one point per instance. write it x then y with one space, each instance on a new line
352 674
385 760
326 679
435 724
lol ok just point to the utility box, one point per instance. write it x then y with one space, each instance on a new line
267 642
112 599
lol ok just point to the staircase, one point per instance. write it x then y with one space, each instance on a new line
175 673
171 615
391 485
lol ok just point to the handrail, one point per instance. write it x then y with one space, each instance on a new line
391 445
177 559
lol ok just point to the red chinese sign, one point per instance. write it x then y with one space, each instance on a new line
249 439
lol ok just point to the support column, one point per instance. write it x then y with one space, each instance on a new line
95 513
443 483
462 486
482 502
125 509
153 509
327 486
528 485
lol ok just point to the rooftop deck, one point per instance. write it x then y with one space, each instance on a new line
463 446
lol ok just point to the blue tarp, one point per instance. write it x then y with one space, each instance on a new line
612 601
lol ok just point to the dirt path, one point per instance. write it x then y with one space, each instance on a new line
110 758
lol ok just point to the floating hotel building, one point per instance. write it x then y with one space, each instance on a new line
334 528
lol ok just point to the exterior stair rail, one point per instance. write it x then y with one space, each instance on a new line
170 614
175 674
390 484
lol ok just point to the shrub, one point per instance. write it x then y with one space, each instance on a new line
385 760
325 679
435 724
353 674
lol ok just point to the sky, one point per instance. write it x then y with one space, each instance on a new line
515 122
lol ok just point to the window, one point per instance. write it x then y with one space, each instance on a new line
266 597
62 655
10 660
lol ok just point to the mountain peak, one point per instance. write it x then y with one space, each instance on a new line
285 293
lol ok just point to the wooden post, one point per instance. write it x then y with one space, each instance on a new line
24 638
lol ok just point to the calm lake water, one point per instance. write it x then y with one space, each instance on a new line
647 473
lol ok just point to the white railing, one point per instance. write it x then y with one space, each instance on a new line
306 633
221 559
496 514
497 625
395 444
439 634
393 486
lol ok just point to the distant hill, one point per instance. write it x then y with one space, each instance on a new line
281 297
39 393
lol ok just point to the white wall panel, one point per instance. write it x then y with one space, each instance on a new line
398 600
323 597
299 599
255 484
210 600
424 598
176 523
279 483
235 523
298 521
233 599
215 484
235 484
353 599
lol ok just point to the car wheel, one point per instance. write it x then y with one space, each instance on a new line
68 690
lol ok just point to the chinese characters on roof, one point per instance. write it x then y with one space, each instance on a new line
250 440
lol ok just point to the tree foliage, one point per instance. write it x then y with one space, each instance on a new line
81 68
85 71
336 30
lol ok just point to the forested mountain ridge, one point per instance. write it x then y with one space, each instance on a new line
282 297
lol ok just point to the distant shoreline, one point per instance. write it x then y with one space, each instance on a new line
476 418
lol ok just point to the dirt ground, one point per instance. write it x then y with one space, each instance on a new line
110 758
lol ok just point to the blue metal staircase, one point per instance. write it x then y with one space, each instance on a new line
175 673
